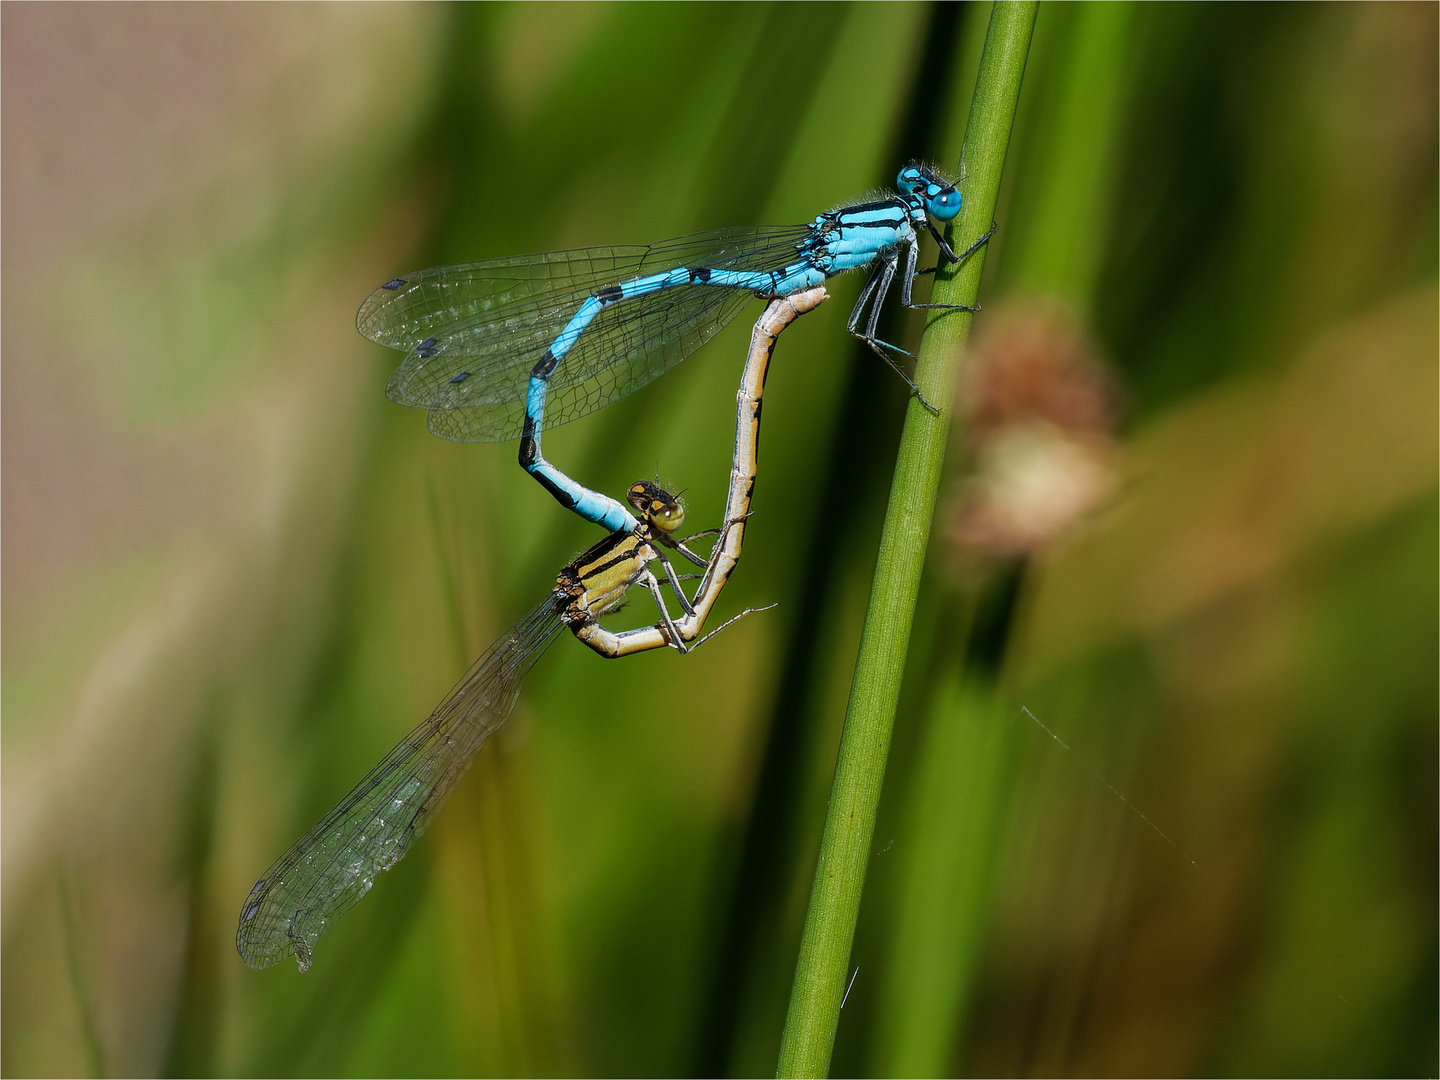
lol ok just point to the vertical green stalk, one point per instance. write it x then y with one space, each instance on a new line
959 801
820 974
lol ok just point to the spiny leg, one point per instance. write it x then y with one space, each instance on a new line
910 273
976 246
865 293
875 291
679 546
727 622
948 256
674 581
721 533
675 640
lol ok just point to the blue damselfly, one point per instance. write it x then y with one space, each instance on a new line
500 348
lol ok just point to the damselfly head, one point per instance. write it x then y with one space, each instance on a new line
658 507
941 198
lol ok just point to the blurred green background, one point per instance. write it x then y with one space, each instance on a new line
234 574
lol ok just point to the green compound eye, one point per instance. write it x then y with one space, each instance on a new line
657 506
667 517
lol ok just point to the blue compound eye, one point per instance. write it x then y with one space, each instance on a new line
910 179
944 205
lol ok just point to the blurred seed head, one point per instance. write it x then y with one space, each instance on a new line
1037 410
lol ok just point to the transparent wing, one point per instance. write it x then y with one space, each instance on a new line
628 345
472 333
334 864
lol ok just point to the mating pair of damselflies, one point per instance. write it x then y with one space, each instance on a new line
490 347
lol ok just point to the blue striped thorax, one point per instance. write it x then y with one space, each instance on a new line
851 237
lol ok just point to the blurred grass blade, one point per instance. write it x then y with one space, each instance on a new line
956 814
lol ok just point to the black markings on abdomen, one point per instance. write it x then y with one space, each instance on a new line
563 497
528 453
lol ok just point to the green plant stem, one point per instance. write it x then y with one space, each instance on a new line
821 972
